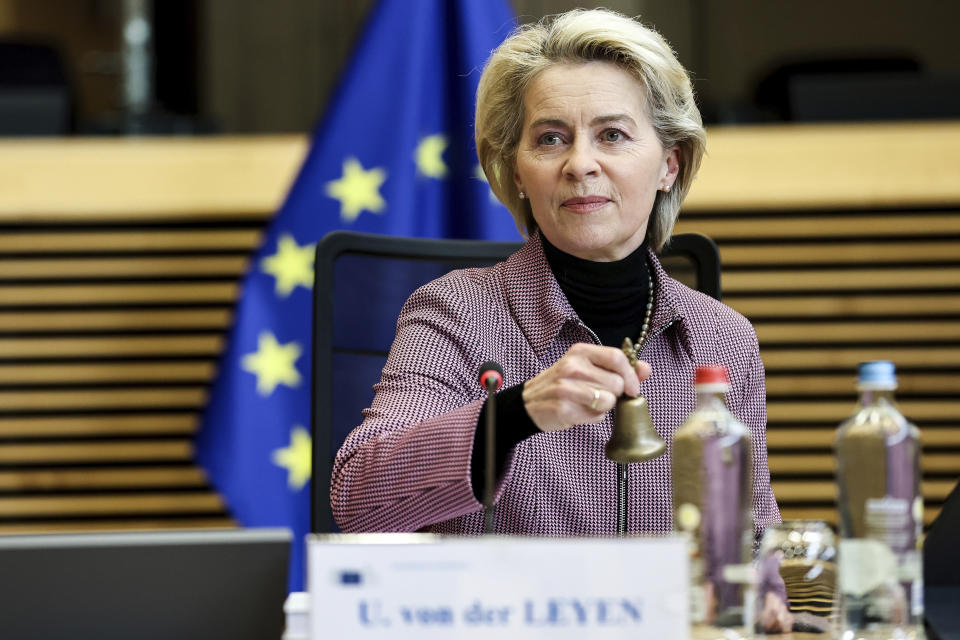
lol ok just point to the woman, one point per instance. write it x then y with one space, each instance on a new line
587 130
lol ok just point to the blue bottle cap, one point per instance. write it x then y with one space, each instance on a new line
879 373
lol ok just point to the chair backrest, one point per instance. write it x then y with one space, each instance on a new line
36 98
362 281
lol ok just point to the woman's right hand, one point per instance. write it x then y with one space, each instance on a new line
581 386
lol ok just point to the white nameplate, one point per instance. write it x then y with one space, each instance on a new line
423 586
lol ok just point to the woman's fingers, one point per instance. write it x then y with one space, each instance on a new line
613 362
599 401
580 387
555 404
644 370
775 616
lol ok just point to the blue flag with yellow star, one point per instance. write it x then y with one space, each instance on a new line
394 154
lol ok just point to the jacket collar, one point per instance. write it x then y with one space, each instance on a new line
667 308
542 310
535 298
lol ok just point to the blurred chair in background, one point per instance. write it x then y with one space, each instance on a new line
857 89
36 97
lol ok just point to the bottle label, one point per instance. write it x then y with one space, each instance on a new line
865 565
740 574
890 520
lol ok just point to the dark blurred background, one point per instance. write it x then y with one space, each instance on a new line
247 66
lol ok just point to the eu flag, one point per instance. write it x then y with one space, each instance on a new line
394 154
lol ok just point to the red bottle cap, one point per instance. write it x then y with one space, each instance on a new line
712 374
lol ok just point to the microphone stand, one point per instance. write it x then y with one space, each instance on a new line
622 493
489 488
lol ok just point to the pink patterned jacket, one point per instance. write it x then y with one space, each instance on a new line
407 466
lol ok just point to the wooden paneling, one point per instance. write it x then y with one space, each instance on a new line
125 524
83 320
886 330
99 505
122 267
108 293
189 397
96 451
786 412
828 166
143 370
851 226
173 178
94 478
824 464
741 282
139 240
816 357
813 254
933 438
110 331
894 304
95 425
826 490
110 347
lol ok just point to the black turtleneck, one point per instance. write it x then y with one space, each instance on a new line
610 298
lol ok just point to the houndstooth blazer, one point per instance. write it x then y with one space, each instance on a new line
407 466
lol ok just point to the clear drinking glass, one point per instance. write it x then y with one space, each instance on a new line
801 556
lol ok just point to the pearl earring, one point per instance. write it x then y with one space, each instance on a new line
666 188
522 195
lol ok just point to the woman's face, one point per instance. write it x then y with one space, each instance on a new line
589 160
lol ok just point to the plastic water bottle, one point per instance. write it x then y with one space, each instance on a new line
713 501
881 514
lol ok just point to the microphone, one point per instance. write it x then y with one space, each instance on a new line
490 378
491 375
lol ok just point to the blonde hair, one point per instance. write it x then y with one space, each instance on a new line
586 36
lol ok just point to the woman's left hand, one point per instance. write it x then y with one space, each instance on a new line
775 616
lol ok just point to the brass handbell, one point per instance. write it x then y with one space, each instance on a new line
633 439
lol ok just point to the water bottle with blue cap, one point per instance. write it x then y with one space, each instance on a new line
881 514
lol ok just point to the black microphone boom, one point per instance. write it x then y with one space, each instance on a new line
491 377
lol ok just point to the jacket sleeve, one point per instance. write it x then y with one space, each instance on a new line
754 414
408 464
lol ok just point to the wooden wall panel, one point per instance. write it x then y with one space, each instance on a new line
109 334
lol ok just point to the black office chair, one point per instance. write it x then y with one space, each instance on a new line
362 281
36 96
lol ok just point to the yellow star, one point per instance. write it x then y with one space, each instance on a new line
357 190
291 265
429 156
295 458
273 363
